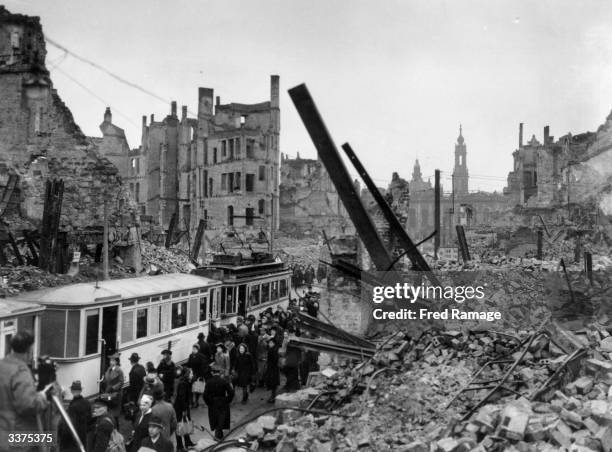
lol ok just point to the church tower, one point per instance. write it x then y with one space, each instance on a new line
460 172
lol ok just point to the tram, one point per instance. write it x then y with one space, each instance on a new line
251 284
84 323
80 325
19 316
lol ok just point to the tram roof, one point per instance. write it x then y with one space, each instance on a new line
115 289
12 308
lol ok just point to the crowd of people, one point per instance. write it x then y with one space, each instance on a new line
158 400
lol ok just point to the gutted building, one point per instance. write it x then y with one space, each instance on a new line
40 139
221 167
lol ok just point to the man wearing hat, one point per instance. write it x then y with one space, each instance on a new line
113 385
99 436
136 377
218 394
79 412
156 440
166 371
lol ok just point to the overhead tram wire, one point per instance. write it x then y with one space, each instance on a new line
110 73
93 94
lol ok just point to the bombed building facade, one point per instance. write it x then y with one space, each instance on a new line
309 202
221 167
41 141
571 174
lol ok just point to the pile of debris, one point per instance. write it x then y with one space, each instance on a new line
167 260
550 389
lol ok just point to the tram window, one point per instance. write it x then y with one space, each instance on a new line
53 327
193 311
283 288
127 326
265 292
179 314
166 297
165 318
155 320
143 300
223 298
72 333
242 293
202 309
254 299
141 323
274 290
228 302
92 321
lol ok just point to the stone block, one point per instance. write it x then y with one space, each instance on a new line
513 423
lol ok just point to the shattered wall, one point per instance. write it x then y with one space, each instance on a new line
40 139
308 199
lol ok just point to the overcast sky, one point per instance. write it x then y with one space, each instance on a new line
393 78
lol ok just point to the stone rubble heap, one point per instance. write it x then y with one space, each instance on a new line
407 398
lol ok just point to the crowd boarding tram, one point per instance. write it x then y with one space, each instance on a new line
80 325
251 284
84 323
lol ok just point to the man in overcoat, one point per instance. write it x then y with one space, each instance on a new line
218 395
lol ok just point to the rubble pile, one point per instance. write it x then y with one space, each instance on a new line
435 394
302 252
167 260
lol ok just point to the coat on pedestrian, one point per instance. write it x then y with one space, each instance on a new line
218 395
136 378
19 401
272 376
199 365
166 371
99 437
141 430
79 412
182 401
222 360
165 411
244 367
113 385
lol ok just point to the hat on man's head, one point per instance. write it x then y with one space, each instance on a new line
134 357
214 368
115 355
166 352
156 421
103 400
76 386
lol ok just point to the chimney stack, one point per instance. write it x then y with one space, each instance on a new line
274 91
152 118
144 121
173 108
546 135
183 112
520 135
218 101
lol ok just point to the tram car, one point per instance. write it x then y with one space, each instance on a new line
80 325
84 323
19 316
251 284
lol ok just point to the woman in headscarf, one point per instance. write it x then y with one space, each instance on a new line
245 371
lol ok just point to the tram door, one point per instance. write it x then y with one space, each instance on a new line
109 332
242 299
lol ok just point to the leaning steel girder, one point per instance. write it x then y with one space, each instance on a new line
340 177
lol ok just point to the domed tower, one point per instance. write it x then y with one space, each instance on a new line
460 172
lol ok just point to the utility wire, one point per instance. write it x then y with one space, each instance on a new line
93 94
106 71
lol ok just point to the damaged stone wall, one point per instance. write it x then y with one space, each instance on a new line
40 139
308 199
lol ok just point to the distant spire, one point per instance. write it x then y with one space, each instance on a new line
460 139
108 117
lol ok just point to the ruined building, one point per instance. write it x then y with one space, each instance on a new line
308 199
574 171
39 139
222 166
